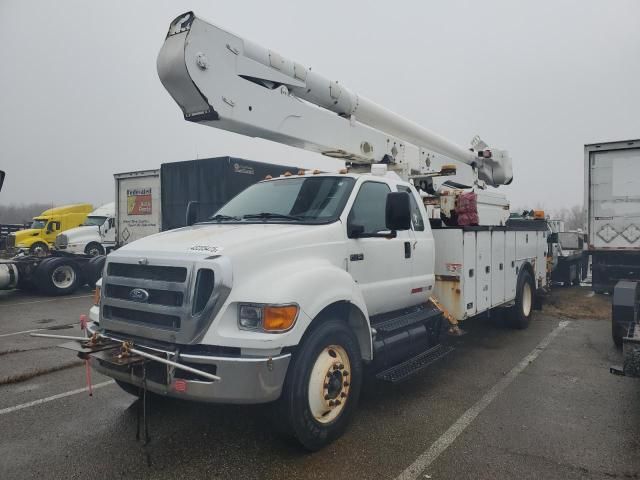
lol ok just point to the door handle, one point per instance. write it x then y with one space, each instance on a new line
407 249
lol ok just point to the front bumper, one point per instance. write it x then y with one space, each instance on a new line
244 379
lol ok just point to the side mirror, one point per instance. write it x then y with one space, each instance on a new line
192 212
1 179
398 211
354 230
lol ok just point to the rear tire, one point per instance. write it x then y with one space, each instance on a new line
57 276
520 314
322 386
93 270
94 249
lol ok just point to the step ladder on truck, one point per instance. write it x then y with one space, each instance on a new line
304 281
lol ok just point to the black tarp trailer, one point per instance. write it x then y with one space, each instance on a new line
209 183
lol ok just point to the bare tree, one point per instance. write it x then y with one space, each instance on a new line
21 213
574 217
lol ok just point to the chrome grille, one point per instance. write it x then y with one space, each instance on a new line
62 241
161 320
148 272
169 298
162 299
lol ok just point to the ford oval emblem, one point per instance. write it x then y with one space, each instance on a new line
139 295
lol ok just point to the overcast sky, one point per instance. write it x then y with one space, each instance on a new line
80 98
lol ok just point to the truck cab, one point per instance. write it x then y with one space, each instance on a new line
40 237
240 293
96 235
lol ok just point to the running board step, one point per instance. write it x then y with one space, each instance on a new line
408 368
403 321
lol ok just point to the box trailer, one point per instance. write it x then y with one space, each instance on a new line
138 210
612 198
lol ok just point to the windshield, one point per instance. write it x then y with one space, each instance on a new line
300 199
94 221
39 223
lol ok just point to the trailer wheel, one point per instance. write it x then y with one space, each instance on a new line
520 314
322 386
57 276
94 249
39 249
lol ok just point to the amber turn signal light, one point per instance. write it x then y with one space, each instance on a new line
96 296
279 318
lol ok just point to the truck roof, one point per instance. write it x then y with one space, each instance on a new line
64 209
106 210
390 176
613 142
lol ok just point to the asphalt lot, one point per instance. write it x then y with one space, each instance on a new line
538 403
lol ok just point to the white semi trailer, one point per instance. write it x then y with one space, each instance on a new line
612 200
303 280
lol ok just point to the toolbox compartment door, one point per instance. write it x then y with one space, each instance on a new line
497 267
483 268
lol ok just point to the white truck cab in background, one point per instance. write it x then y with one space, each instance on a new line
96 236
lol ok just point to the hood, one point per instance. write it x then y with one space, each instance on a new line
75 234
228 239
22 235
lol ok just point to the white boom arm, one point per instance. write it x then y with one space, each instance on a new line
224 81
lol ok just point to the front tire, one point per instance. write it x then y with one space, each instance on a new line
94 249
39 249
520 314
322 386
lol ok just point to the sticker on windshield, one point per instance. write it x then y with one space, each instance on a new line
207 248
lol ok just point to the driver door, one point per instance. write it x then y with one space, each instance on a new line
380 266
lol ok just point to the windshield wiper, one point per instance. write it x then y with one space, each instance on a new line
220 218
266 215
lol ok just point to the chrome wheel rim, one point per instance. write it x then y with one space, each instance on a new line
329 384
63 276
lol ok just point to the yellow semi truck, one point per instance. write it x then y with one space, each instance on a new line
45 227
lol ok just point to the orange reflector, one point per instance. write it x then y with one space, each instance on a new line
300 172
538 214
287 174
268 177
96 296
343 171
279 319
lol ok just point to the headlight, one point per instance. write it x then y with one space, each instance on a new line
267 318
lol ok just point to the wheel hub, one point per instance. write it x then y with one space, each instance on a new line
63 276
333 387
329 384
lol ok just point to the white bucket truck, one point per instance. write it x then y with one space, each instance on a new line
301 282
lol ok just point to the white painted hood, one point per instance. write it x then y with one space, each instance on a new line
229 239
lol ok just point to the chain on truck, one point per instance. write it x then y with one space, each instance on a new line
304 282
